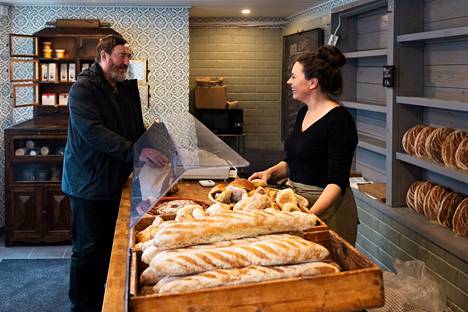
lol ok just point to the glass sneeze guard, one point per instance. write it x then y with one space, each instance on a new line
187 144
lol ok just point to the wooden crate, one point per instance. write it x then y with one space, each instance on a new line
358 286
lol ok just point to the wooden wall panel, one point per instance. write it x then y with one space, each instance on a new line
448 76
445 14
371 124
451 119
366 92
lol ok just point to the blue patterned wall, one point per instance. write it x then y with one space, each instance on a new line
159 35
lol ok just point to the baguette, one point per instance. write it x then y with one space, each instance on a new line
231 225
250 274
151 276
288 249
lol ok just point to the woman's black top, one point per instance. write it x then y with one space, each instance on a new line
323 153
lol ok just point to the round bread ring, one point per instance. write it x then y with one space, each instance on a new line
420 142
407 142
410 195
461 155
432 201
434 143
450 145
420 195
460 218
447 208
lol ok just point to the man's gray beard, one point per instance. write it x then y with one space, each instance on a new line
116 76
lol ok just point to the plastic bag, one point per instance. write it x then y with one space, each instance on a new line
412 288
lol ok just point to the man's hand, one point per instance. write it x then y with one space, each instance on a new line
153 157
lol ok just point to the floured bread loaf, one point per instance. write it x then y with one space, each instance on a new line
258 200
409 138
432 201
450 145
420 195
434 143
460 218
289 249
172 206
420 142
461 155
447 208
231 225
241 276
411 193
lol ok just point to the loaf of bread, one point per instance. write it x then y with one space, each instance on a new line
231 225
151 276
447 208
432 201
258 200
411 194
420 142
450 145
241 276
434 143
172 206
290 249
460 218
409 138
420 195
461 155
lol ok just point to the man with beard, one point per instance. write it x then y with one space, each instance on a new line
105 120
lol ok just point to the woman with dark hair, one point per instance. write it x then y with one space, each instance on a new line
320 148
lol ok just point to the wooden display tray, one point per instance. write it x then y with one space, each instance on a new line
358 286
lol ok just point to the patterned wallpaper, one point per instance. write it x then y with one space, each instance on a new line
159 35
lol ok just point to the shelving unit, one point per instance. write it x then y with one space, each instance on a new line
363 40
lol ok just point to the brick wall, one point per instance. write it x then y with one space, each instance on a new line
382 238
249 59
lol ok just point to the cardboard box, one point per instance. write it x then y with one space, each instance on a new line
44 72
53 72
210 97
63 99
48 98
63 72
72 72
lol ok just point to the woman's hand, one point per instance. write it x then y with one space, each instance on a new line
262 175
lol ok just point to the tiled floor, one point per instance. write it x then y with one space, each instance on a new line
33 252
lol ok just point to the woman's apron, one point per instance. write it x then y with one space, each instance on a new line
341 217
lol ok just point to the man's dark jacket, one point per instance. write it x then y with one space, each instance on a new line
102 127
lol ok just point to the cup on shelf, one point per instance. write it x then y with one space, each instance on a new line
33 152
59 53
44 150
20 151
47 51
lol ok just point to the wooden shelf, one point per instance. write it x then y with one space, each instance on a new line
372 107
42 59
372 144
366 53
442 237
56 83
29 159
447 33
455 174
433 103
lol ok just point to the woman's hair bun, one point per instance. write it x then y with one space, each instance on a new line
332 55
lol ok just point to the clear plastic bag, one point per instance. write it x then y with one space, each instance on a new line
412 288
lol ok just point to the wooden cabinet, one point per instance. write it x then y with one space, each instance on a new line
36 209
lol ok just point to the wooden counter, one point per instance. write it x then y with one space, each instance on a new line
115 298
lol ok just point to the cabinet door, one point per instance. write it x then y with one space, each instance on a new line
57 215
24 218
